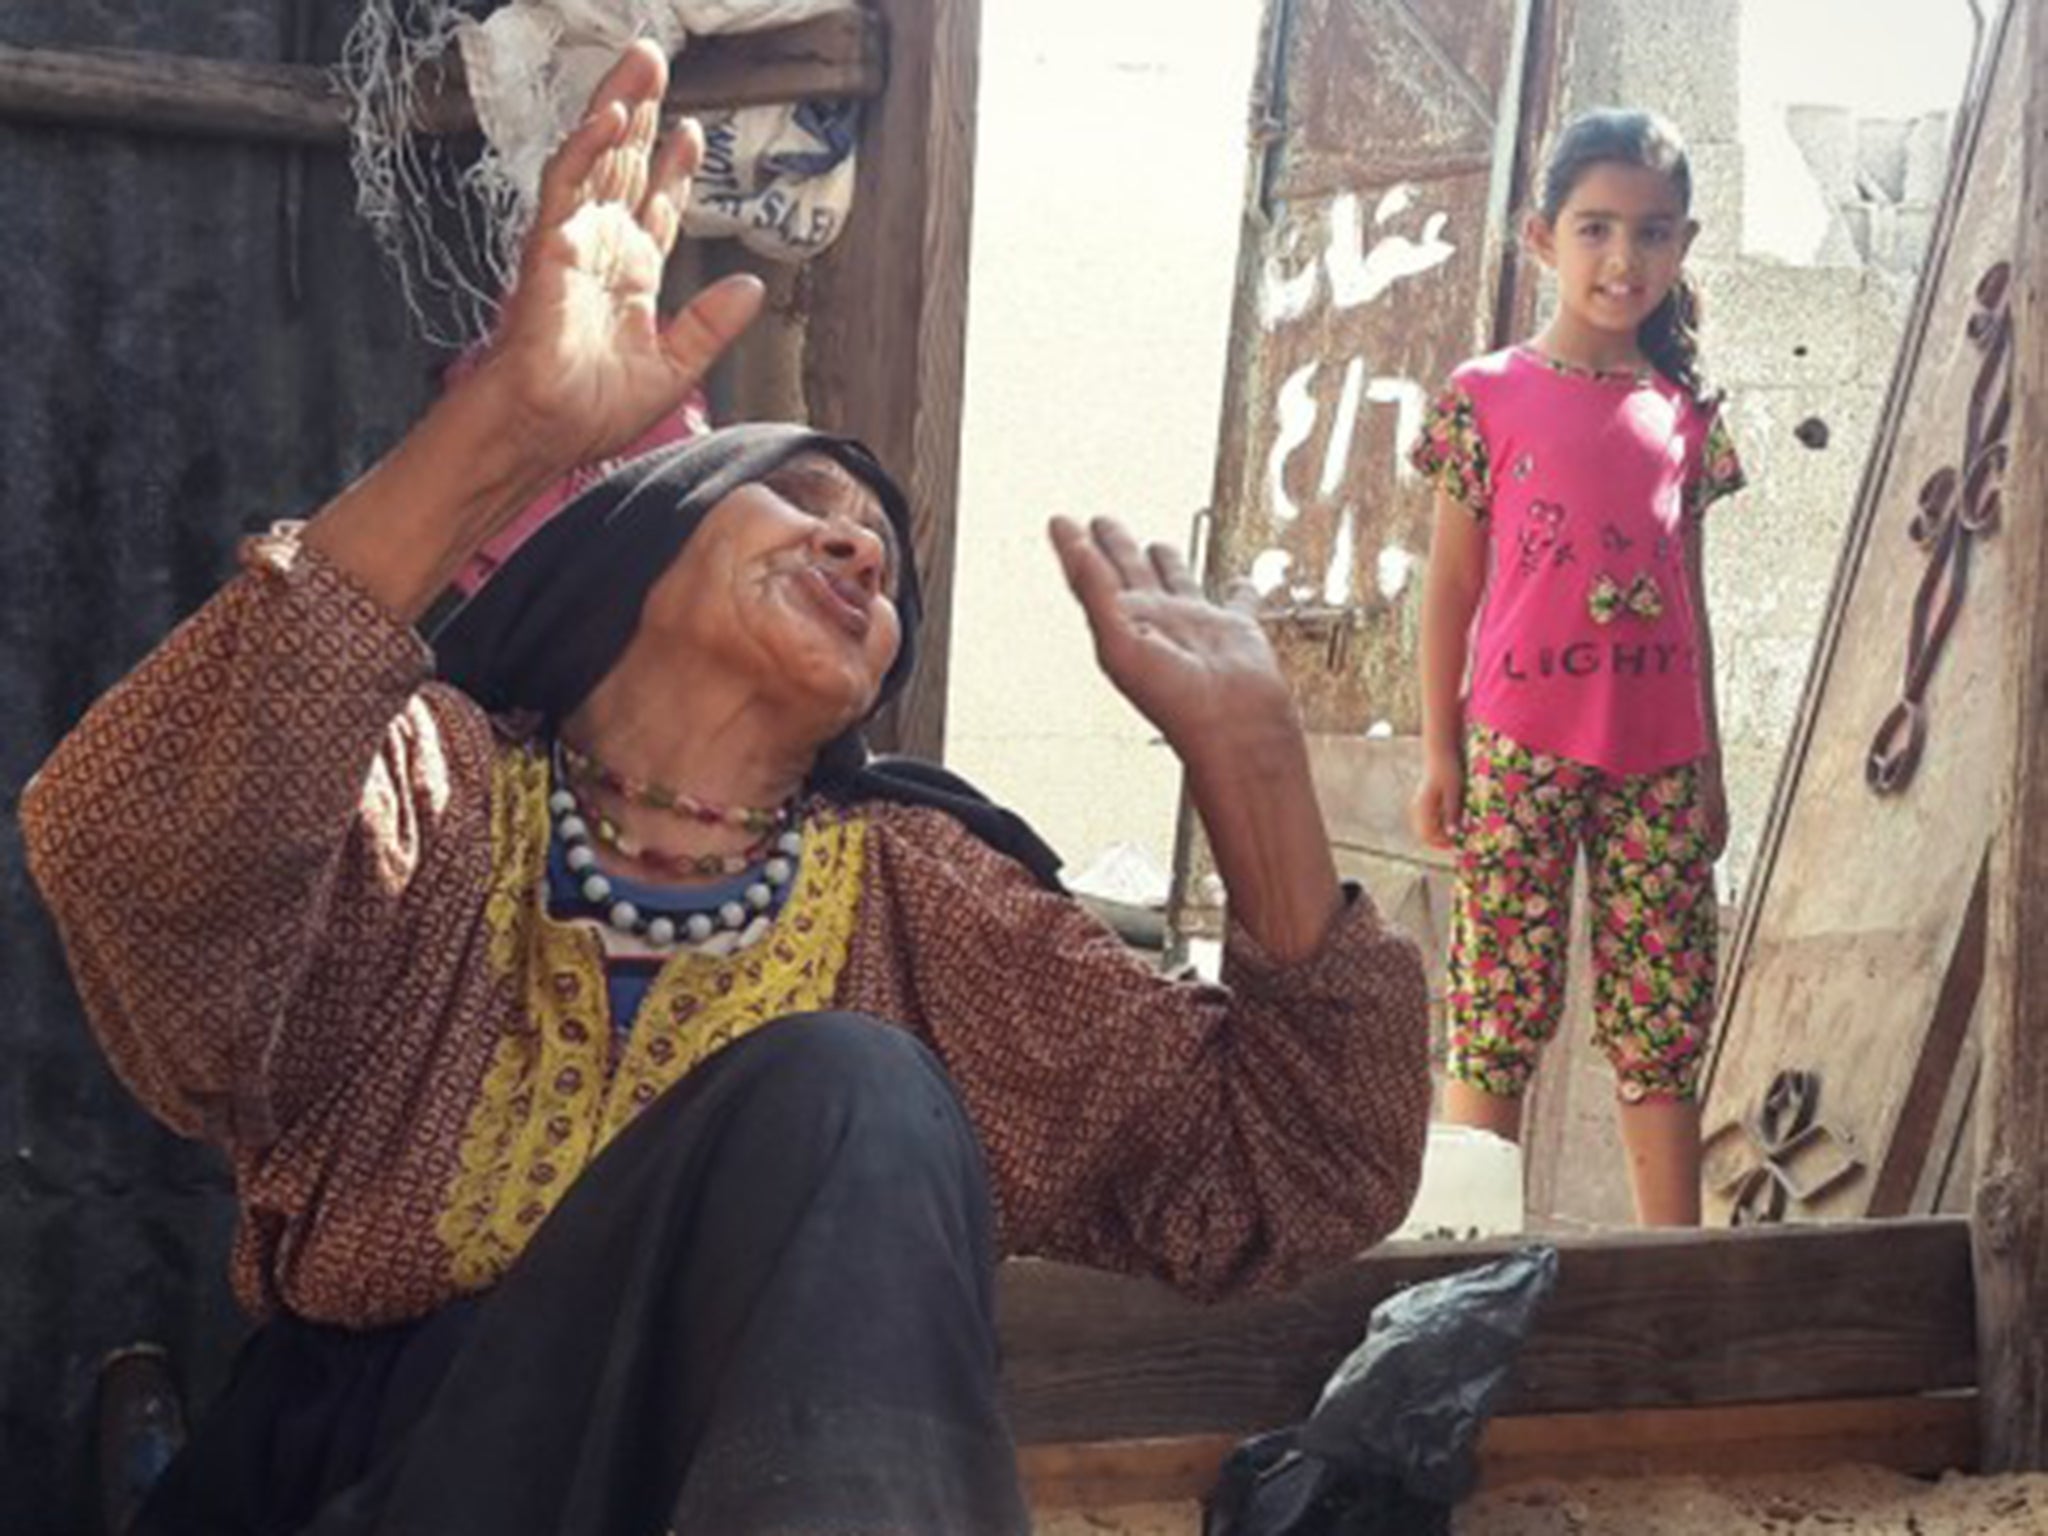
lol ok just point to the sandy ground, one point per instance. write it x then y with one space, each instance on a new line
1845 1501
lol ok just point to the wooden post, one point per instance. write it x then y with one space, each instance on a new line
2010 1218
885 358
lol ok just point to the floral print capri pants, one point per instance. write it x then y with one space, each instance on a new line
1654 919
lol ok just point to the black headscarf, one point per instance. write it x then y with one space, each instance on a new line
549 623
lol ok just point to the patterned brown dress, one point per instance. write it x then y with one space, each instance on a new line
301 889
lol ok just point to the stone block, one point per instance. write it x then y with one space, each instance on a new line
1717 201
1928 147
1773 558
1681 60
1826 136
1772 555
1778 325
1881 321
1912 237
1845 240
1881 157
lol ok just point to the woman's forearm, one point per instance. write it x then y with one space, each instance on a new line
1257 802
403 530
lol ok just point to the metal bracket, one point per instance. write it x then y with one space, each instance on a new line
1780 1157
1957 508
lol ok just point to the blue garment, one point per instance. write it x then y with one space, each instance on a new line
627 977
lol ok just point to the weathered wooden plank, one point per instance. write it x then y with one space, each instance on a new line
1364 785
1552 23
1926 1115
890 366
832 56
1846 965
1920 1436
1640 1319
1110 1473
1387 129
2011 1207
1948 1184
1376 130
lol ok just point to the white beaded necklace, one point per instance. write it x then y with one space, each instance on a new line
726 929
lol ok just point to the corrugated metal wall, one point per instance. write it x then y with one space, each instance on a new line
183 357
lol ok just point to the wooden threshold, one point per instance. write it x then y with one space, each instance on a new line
1874 1309
1918 1435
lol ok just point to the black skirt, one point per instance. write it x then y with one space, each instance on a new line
766 1307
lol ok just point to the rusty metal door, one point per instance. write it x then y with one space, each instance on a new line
1389 140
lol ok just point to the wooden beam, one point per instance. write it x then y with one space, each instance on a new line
1919 1436
839 55
1923 1435
1109 1474
166 93
1639 1319
1926 1111
1551 23
889 366
2011 1205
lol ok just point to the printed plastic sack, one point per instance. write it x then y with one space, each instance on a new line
1393 1443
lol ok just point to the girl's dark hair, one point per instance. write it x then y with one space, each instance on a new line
1670 336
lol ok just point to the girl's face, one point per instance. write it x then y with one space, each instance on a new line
1617 245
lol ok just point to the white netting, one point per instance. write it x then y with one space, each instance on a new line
779 178
448 223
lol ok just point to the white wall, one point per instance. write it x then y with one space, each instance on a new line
1109 170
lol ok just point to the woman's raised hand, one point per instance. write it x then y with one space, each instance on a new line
1202 671
581 364
1205 674
581 353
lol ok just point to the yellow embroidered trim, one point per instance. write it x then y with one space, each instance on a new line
700 1004
533 1127
551 1098
519 850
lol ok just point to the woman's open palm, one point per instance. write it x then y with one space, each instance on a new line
581 343
1194 667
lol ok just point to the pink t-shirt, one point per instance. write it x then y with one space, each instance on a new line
1586 645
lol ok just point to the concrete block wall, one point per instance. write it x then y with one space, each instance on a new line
1881 178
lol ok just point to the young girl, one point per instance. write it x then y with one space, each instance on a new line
1572 473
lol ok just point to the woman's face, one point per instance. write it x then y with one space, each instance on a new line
792 580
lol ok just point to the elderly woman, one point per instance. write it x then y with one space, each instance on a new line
629 1086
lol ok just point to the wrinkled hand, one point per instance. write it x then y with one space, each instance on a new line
581 349
1200 671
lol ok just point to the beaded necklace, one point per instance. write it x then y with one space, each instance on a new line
724 928
680 866
762 822
1638 374
766 825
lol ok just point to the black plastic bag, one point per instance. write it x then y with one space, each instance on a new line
1393 1443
